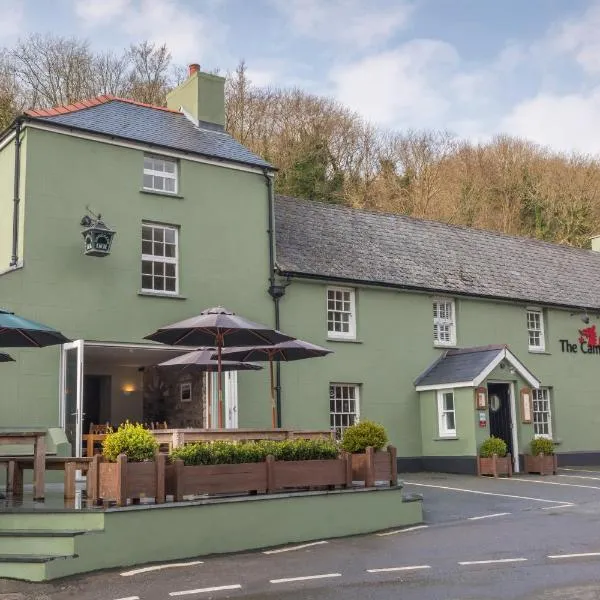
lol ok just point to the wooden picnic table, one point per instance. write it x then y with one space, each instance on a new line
36 437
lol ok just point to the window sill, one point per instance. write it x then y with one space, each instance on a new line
161 295
165 194
534 351
444 345
344 340
446 439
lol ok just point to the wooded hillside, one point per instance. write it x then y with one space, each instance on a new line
325 151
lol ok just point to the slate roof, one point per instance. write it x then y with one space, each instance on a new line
345 244
147 124
459 365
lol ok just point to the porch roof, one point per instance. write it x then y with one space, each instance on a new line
468 367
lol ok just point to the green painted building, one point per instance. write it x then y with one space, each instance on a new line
443 334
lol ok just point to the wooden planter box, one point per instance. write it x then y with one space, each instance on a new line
182 480
268 476
495 465
375 466
309 473
544 464
122 480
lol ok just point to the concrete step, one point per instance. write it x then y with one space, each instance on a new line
28 567
33 542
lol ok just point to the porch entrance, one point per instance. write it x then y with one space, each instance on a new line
501 421
109 383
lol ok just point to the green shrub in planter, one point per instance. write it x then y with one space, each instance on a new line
542 446
133 440
362 435
491 446
231 453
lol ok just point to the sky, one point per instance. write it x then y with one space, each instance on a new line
475 68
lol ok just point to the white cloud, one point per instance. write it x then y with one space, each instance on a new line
188 33
96 12
579 37
402 87
352 22
13 19
567 122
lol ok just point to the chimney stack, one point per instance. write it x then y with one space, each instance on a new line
201 97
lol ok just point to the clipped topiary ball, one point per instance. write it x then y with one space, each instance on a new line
491 446
366 433
133 440
542 446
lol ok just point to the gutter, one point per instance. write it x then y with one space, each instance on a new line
276 292
14 259
425 290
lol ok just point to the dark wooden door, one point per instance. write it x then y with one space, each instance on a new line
500 413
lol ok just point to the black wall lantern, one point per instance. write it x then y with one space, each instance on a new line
97 235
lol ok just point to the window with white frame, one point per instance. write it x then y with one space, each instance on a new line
343 406
160 174
446 413
535 329
341 313
160 258
444 322
542 418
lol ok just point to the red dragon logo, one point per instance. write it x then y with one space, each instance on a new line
588 335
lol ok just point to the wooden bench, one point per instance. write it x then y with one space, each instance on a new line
69 464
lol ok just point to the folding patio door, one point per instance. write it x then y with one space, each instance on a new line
71 393
230 400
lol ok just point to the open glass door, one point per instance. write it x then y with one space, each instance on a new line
231 400
72 393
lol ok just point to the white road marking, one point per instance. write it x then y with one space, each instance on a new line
402 530
580 555
393 569
130 598
295 547
219 588
566 505
488 516
305 578
453 489
491 562
580 477
579 470
160 568
577 485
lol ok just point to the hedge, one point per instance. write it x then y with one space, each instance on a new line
230 453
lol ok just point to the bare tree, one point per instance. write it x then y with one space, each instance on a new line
149 78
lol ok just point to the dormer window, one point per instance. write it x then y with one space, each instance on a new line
160 174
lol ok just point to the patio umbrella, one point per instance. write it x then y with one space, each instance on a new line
202 361
17 332
6 357
284 351
218 328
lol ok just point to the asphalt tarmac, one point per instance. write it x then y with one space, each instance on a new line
523 538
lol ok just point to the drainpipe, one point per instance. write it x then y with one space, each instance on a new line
275 291
14 259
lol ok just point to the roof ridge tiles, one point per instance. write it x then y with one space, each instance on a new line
62 109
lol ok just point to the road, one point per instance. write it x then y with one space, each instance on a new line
526 538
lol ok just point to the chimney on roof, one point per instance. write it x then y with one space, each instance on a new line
595 243
201 97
